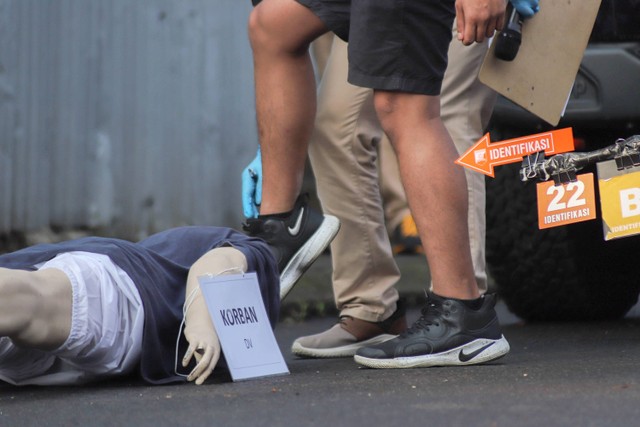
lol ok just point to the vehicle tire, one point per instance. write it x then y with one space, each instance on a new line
561 273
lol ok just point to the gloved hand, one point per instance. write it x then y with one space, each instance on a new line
198 326
252 187
526 8
203 341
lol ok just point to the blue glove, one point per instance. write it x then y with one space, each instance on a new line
526 8
252 187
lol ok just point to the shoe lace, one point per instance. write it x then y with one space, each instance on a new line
431 315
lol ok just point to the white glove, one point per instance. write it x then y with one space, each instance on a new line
203 341
199 331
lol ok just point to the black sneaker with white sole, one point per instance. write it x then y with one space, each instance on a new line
296 239
448 333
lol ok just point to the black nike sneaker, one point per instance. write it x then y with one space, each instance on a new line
296 239
448 333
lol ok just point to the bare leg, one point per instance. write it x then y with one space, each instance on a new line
280 33
436 188
35 307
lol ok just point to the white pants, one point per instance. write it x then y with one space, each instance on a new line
106 328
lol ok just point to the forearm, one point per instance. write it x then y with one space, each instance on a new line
218 261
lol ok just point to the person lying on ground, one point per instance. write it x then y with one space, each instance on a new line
95 308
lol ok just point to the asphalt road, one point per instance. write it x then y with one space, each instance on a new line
557 374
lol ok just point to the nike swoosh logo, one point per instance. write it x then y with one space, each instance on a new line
296 227
467 357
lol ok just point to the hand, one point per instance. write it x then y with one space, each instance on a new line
526 8
252 187
479 19
198 326
203 343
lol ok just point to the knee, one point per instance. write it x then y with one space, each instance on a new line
385 104
258 28
267 34
388 106
35 307
400 111
19 302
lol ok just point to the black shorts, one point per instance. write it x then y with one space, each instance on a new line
396 45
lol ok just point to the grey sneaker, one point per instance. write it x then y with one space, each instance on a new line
350 334
448 333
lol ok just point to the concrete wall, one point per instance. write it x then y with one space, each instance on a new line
123 116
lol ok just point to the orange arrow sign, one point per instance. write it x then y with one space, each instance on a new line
484 155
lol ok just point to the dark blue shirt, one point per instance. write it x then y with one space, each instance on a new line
159 266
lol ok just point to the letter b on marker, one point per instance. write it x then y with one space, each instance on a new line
630 202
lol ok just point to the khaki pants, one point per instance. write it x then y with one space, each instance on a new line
344 156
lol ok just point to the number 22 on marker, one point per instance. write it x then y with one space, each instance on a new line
566 204
575 190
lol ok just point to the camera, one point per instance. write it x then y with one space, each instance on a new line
508 41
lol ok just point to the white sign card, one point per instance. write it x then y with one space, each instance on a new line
241 321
